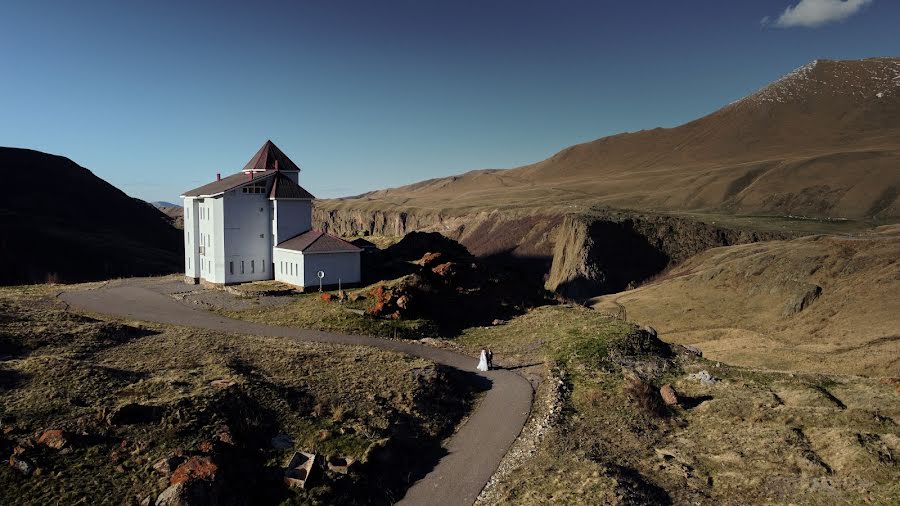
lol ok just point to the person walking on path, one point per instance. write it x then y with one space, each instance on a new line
483 361
490 358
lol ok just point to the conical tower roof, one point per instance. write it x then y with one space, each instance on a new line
267 156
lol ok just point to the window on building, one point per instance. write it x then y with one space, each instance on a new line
252 266
242 266
230 267
263 264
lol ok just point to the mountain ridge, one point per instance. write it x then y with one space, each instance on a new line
821 141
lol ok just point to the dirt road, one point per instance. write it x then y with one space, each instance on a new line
473 453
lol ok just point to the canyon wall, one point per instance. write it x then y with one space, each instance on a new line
577 256
610 251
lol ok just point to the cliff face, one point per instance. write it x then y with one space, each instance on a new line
484 234
609 251
577 256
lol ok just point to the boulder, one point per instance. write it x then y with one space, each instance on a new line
195 468
445 270
134 413
21 465
191 493
222 383
282 442
167 465
429 259
55 438
669 395
693 350
704 377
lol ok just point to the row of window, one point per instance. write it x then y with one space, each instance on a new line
258 187
291 268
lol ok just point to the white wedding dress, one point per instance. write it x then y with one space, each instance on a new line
482 361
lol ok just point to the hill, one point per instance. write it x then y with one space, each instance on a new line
60 222
816 304
173 211
823 142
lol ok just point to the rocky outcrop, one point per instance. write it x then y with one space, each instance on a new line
519 233
578 256
610 251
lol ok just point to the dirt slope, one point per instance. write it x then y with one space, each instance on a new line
820 142
818 303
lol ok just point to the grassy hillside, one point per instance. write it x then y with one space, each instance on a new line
818 303
602 434
59 222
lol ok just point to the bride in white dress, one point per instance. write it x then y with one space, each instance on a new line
482 361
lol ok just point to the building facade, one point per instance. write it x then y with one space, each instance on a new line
257 225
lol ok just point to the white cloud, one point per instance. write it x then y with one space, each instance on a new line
813 13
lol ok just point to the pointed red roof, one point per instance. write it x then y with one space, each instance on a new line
265 159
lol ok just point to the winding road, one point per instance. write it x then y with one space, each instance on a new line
473 453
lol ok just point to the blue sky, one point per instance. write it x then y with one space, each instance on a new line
156 97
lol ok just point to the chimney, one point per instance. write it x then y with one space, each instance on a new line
218 176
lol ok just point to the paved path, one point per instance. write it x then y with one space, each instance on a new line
473 453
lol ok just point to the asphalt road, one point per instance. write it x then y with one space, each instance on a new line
473 453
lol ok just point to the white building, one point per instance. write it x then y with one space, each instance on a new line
257 225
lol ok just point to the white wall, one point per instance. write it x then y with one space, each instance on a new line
246 217
292 217
191 229
343 266
207 214
289 266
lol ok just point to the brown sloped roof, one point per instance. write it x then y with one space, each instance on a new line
227 183
316 241
285 188
265 159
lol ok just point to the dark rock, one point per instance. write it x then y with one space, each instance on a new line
167 465
190 493
804 296
21 465
282 442
133 413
